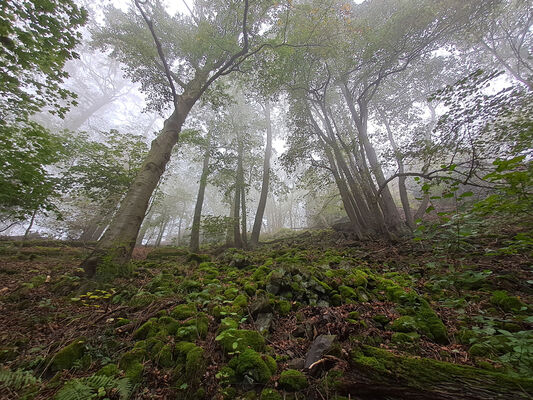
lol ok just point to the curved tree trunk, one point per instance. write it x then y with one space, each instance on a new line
195 229
258 222
116 246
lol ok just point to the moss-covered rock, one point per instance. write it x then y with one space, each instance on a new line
283 307
251 364
108 370
165 356
347 292
68 355
146 330
293 380
270 394
240 302
244 339
404 324
183 311
401 337
131 363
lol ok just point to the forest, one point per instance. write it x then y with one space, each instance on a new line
266 199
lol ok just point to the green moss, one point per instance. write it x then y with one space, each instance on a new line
200 325
425 321
292 380
501 299
427 375
381 319
336 299
405 324
271 364
146 330
165 357
241 301
260 273
231 293
401 337
347 292
283 307
68 355
228 323
108 370
195 364
357 278
252 365
183 311
131 364
250 288
245 339
226 375
270 394
168 325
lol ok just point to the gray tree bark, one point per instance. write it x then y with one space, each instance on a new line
258 222
195 229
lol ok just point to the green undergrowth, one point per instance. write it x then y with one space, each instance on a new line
216 304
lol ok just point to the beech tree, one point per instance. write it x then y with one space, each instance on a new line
176 59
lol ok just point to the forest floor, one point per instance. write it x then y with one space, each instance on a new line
312 316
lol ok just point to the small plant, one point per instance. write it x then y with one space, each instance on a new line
95 298
95 387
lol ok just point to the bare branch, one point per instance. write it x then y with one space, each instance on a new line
150 25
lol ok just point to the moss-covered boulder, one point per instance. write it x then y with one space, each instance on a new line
270 394
252 365
146 330
424 321
131 363
183 311
293 380
68 355
239 340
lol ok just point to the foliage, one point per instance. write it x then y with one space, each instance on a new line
26 182
95 387
18 379
37 37
214 227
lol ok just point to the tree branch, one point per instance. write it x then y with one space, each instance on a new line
150 25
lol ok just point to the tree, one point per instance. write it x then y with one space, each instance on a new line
176 61
258 222
36 39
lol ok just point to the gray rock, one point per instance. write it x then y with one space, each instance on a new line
296 363
260 305
322 345
264 322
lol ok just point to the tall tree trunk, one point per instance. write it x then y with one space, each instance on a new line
239 178
195 229
32 220
164 223
244 223
392 217
118 241
258 222
401 169
229 232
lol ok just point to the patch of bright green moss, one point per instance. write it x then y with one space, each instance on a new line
293 380
68 355
270 394
244 338
183 311
252 365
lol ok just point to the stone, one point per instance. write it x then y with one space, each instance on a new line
296 363
322 345
264 322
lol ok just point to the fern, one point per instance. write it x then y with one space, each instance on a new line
18 379
95 386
